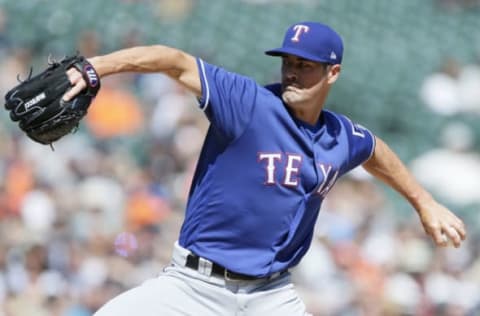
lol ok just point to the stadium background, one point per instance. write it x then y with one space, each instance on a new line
391 49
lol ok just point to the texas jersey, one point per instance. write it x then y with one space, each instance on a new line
262 174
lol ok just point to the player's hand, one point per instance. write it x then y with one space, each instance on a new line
78 84
442 225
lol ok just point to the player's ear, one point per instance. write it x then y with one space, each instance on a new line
333 73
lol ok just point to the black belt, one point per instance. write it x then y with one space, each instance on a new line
193 262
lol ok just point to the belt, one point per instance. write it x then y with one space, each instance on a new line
193 262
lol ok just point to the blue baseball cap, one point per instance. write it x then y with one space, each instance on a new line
313 41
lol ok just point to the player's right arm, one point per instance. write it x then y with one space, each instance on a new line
175 63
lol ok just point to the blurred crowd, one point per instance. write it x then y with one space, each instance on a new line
452 93
100 212
453 88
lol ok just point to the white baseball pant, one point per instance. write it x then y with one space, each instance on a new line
180 290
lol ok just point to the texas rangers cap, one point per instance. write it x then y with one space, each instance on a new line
313 41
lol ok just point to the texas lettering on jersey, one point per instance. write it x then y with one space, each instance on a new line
292 169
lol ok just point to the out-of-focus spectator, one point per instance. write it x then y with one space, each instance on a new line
455 5
4 40
102 200
173 107
452 170
440 91
14 65
114 112
154 86
18 181
147 205
38 213
453 89
173 9
468 83
89 43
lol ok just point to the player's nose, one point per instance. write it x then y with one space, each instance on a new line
290 76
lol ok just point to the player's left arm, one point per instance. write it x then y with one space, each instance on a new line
436 219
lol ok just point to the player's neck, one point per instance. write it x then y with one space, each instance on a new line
309 111
307 115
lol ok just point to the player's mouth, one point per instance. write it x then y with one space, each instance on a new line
287 84
291 87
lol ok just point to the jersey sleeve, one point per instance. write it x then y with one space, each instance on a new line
227 99
361 143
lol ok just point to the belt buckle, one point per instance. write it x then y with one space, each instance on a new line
225 275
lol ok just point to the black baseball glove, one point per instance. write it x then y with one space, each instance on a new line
37 105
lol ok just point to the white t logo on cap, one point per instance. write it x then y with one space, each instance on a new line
299 30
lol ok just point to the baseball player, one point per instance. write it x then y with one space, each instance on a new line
271 155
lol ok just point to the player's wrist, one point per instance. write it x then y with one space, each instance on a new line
421 200
96 64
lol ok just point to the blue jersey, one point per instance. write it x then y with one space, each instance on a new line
262 174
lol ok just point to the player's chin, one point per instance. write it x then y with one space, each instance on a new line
291 98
